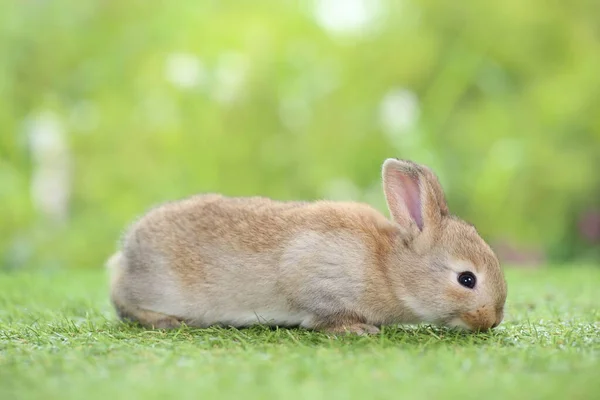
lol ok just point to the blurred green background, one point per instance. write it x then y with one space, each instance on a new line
110 107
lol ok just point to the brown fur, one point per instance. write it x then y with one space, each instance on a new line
334 266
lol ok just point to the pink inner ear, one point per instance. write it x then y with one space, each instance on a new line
411 196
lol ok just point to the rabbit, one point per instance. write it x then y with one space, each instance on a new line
336 267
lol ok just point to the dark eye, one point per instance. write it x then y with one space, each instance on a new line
467 279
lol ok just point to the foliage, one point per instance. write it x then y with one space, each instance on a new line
161 100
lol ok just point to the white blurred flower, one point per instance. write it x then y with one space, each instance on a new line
347 16
51 179
230 76
184 70
399 112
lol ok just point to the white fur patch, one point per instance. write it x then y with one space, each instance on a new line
325 270
421 312
459 266
459 323
243 317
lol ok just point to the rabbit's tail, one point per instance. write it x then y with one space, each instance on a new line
115 261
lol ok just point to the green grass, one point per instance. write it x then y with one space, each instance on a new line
59 339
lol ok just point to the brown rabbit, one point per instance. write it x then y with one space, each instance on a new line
333 266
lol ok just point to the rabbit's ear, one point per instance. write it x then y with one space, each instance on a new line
414 194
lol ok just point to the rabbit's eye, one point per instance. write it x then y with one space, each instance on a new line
467 279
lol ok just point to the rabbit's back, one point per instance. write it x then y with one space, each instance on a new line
205 224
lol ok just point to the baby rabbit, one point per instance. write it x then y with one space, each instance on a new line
330 266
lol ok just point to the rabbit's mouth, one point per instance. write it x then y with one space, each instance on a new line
481 319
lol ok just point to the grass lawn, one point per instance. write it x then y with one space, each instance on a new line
59 339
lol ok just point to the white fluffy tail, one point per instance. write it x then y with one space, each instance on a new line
114 261
115 266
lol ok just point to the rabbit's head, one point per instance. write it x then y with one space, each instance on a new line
443 270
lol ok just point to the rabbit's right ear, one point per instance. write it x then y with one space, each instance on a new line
414 195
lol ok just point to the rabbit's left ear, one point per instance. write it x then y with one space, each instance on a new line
414 195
